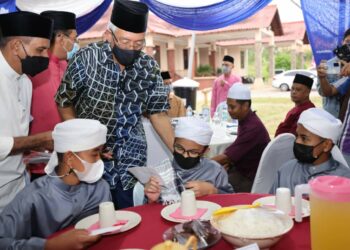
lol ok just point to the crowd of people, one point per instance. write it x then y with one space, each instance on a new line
85 106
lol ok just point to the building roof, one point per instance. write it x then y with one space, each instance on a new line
292 31
267 17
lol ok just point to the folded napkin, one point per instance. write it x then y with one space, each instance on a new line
177 214
97 226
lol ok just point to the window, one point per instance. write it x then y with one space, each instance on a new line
185 55
242 56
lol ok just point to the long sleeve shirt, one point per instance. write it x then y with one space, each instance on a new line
289 125
206 170
15 100
245 152
293 173
46 206
219 91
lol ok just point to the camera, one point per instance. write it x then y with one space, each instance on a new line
343 52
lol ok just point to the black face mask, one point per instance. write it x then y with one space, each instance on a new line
124 56
33 65
304 153
186 163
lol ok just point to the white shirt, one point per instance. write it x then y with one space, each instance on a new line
15 100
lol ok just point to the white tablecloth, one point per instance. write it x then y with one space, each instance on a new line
157 151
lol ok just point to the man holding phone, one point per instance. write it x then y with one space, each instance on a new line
333 83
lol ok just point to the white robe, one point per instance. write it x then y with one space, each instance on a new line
15 101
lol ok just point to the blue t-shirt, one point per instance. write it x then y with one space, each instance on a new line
343 88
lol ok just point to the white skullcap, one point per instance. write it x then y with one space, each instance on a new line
325 125
194 129
239 91
76 135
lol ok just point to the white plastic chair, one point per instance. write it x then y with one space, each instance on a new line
138 194
276 153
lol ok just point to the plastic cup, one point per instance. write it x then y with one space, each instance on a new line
107 216
283 200
188 203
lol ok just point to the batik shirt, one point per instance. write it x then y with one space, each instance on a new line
98 89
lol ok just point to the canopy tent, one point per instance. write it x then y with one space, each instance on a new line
88 12
205 14
326 22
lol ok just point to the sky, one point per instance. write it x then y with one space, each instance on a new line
288 11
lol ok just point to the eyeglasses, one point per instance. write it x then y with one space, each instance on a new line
191 153
126 43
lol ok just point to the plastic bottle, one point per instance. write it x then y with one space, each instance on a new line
189 111
206 113
224 115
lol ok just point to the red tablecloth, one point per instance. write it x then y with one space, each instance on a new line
149 232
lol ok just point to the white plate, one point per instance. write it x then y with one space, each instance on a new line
211 206
270 201
133 220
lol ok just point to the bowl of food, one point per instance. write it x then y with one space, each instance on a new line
264 226
204 232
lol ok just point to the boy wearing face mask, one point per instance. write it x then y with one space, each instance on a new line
223 83
315 150
72 190
202 175
62 47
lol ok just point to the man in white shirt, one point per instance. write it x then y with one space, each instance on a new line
24 41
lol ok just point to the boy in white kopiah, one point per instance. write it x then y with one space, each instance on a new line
202 175
72 190
315 151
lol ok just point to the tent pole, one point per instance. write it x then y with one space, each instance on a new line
191 56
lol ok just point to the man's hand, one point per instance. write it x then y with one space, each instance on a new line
322 69
152 189
73 239
345 70
222 82
201 188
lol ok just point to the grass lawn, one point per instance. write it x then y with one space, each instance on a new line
273 110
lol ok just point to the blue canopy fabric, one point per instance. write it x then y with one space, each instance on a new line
84 21
7 6
210 17
326 22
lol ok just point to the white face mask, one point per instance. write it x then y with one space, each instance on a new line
92 172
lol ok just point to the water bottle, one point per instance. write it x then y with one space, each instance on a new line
189 111
224 115
216 118
206 114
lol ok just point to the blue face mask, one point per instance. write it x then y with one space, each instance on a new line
71 53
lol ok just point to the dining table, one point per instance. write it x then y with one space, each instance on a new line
152 226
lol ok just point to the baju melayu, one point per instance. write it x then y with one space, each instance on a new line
289 125
293 173
206 170
15 100
46 206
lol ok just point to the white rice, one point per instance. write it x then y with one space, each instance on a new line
252 223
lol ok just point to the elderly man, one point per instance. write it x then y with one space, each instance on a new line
62 48
202 175
115 83
315 151
24 41
72 190
223 83
300 95
177 106
243 155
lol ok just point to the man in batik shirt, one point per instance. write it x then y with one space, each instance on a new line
115 83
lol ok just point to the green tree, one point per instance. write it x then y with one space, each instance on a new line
283 60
